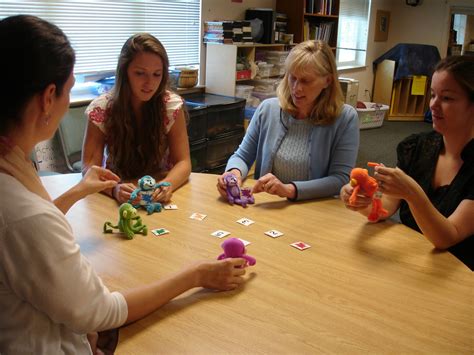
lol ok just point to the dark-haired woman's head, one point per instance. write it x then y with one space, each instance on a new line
35 55
452 97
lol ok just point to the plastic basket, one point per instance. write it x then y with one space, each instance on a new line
372 116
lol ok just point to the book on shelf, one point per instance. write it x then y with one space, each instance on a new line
321 7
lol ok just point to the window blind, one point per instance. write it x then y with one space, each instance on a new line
98 29
352 32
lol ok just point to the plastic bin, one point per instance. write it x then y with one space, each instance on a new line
198 152
197 125
264 70
276 57
265 85
243 91
220 149
224 113
372 116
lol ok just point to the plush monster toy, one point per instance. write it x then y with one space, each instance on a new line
146 187
235 194
129 222
235 248
363 182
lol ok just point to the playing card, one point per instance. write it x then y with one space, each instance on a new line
245 222
300 245
220 234
198 216
170 207
274 233
159 231
246 242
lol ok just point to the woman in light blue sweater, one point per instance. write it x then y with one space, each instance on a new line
304 143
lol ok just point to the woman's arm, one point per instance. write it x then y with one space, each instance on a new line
224 274
95 179
180 157
93 151
441 231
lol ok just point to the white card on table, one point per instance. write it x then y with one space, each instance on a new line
220 234
246 242
198 216
170 207
160 231
245 222
274 233
300 245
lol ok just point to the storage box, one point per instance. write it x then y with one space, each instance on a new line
220 149
243 91
276 57
197 125
243 74
265 85
198 152
264 70
372 116
350 90
224 113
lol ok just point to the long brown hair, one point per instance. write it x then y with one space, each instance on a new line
132 151
461 67
313 57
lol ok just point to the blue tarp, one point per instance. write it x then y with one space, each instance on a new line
412 59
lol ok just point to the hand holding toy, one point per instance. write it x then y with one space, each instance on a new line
362 182
146 187
235 194
235 248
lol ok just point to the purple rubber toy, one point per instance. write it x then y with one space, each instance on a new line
235 194
235 248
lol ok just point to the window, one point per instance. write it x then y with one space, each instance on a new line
352 33
98 29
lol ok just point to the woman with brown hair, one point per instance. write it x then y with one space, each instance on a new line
139 128
304 143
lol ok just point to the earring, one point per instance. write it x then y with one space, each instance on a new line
46 119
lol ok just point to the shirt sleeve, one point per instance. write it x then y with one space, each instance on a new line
174 103
45 268
98 111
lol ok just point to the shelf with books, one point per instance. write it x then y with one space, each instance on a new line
312 19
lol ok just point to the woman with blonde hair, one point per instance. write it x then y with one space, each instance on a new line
304 142
139 128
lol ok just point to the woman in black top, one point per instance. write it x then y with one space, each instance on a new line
433 183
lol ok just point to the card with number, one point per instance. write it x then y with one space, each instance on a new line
300 245
170 207
198 216
274 233
159 231
245 222
246 242
220 234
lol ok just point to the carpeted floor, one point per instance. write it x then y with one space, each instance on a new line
379 144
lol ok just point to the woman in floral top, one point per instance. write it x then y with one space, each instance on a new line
139 128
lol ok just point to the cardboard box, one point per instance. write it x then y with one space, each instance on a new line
350 90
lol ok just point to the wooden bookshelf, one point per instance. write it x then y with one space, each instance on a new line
311 14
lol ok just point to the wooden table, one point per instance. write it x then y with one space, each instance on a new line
359 288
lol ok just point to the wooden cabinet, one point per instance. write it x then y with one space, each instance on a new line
305 17
221 59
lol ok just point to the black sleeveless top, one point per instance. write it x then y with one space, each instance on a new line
417 157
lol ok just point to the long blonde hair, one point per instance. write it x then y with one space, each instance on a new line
134 152
313 57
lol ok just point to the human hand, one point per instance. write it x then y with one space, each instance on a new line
395 183
97 179
362 201
221 275
221 185
163 193
122 192
269 183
